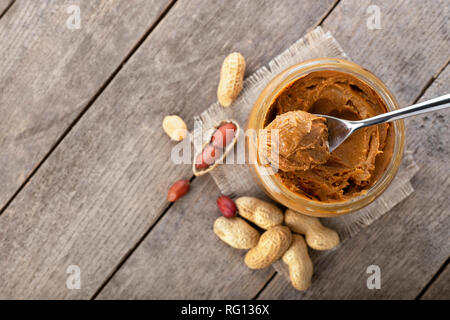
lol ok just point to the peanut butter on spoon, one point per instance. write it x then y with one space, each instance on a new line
299 143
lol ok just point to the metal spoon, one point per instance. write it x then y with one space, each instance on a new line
339 130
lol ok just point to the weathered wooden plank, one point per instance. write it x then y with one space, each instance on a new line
106 183
49 72
183 258
440 288
412 44
410 243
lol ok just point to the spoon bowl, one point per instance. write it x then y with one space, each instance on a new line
338 130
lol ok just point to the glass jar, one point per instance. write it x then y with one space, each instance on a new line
273 186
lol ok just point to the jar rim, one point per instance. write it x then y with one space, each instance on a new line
281 193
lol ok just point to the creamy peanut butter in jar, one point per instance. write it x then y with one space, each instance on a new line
309 179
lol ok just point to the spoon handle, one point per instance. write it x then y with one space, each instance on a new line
435 104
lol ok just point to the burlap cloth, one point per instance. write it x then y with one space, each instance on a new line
235 180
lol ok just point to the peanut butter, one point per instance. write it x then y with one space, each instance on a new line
300 142
305 166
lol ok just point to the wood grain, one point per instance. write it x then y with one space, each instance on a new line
49 72
410 243
106 183
133 279
440 288
411 46
183 258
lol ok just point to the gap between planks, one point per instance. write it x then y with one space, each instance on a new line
433 279
7 8
136 245
264 286
90 102
430 82
326 15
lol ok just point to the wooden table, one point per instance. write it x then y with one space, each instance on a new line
85 165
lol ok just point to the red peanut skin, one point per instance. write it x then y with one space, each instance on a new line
207 157
223 135
177 190
226 206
